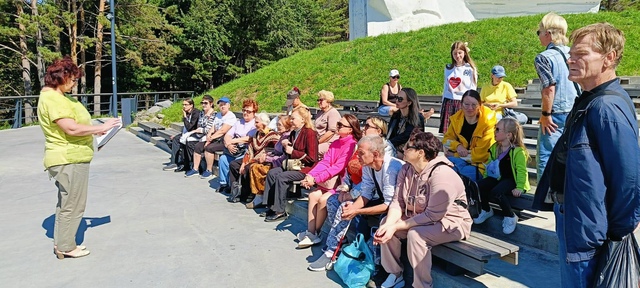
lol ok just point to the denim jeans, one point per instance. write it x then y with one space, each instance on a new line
465 168
546 142
223 167
578 274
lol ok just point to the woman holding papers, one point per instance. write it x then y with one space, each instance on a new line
67 129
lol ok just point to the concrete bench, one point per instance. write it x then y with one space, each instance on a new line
151 127
474 253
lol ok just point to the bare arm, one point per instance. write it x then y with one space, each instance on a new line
512 104
219 133
546 122
384 92
326 136
71 127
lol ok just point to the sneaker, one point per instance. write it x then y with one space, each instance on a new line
484 215
509 224
393 281
309 240
191 173
170 167
320 264
206 174
302 234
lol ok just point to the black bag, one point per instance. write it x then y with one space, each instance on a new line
365 107
236 190
618 263
470 188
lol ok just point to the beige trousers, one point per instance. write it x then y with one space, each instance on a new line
72 181
420 239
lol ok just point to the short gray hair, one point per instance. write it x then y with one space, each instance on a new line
263 118
376 143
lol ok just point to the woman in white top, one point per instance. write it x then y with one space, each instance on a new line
459 76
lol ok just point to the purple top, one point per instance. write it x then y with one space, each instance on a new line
277 156
242 128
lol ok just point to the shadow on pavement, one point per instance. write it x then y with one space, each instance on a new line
86 222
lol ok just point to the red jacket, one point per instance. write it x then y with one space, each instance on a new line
305 147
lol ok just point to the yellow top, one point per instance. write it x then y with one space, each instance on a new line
498 94
482 139
60 148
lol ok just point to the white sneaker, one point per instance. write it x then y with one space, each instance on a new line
309 240
302 234
484 215
393 281
509 224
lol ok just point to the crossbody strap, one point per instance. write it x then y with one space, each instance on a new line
565 62
378 190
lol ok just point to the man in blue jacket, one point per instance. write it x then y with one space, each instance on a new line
592 181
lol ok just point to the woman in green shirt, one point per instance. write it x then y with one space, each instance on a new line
67 129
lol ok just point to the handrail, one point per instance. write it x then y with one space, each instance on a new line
20 115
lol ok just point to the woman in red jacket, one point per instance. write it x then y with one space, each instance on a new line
303 145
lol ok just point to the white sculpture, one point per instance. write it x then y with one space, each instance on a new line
375 17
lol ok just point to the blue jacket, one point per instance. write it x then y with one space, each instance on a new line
602 179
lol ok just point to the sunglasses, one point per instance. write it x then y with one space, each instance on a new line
341 125
400 99
247 111
320 100
367 126
396 77
538 32
410 147
205 103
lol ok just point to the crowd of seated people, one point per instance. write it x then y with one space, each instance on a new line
374 174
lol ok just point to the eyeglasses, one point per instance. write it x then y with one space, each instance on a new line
342 125
400 99
320 100
469 105
367 126
247 111
406 147
205 103
396 77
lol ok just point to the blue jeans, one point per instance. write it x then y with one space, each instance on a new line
465 168
223 167
546 142
383 110
578 274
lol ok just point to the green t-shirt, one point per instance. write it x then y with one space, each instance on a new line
60 148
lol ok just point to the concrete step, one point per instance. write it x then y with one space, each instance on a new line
154 140
177 126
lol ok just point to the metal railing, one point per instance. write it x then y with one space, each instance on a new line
24 108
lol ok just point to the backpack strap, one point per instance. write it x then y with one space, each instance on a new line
575 85
459 202
380 199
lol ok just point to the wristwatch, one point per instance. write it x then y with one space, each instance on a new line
545 113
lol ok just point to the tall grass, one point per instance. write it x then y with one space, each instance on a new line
358 69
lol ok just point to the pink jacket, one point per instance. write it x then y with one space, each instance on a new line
432 200
335 160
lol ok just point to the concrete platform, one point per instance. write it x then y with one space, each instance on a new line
149 228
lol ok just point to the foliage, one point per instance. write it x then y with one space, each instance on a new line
619 5
357 69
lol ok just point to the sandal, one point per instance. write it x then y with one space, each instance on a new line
76 253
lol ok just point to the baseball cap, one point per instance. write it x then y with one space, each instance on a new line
224 99
498 71
394 73
292 95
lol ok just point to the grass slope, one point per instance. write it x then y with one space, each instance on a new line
357 69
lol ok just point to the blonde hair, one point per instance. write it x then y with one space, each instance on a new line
285 120
326 95
306 116
512 126
380 124
556 26
604 39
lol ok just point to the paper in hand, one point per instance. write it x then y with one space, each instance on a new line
103 139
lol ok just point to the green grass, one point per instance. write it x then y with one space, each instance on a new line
357 69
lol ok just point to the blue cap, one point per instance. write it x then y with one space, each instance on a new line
224 99
498 71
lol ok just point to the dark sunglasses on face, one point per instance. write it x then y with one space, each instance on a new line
367 126
341 125
320 100
400 99
410 147
247 111
204 103
396 77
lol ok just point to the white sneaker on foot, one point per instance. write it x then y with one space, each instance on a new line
484 215
509 224
302 234
309 240
393 281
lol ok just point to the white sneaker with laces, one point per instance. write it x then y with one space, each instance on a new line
484 215
309 240
509 224
393 281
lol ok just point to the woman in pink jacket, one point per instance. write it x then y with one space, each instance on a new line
426 208
326 175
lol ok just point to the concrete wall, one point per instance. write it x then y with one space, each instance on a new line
375 17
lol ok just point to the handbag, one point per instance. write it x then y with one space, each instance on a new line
292 164
236 190
355 263
618 263
493 168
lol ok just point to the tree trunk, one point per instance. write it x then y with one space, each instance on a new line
24 52
83 59
97 72
73 36
39 60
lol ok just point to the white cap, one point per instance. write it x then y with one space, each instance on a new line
393 73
